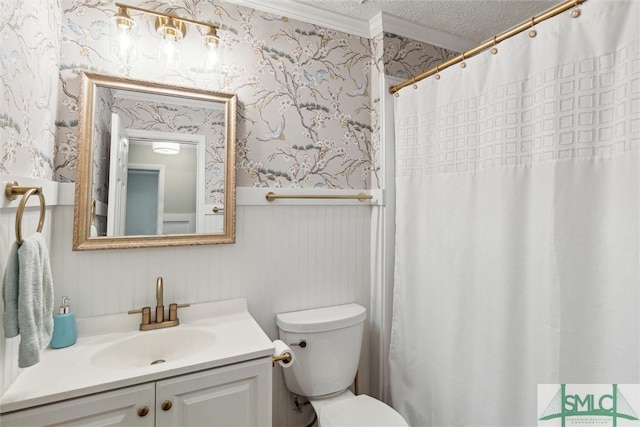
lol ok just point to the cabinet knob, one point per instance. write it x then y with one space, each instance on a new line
143 411
166 405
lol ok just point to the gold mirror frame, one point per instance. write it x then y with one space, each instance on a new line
83 188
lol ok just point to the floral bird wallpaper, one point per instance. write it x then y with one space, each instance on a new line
29 60
308 114
304 109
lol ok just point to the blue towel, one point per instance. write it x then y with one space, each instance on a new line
35 300
10 294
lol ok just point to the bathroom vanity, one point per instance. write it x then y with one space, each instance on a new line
213 369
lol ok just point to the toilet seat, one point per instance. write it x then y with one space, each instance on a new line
359 411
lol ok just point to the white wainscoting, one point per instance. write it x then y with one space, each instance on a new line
285 258
8 208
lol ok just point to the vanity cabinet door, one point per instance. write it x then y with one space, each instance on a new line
123 407
234 395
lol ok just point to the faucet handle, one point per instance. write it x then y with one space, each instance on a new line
146 314
173 310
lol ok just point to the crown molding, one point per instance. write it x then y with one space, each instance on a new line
401 27
310 14
358 27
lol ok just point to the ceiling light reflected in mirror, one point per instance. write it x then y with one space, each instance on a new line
168 148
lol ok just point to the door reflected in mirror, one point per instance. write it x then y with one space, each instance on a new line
155 165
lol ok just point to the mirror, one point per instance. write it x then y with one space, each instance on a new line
156 165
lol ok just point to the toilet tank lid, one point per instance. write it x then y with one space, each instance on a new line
322 319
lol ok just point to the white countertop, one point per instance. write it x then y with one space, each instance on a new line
69 372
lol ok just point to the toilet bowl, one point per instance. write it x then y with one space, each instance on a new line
355 411
326 343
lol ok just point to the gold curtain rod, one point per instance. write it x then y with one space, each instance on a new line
167 15
490 43
271 196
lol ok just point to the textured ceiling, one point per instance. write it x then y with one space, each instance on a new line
474 20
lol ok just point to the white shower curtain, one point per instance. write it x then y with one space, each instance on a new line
517 242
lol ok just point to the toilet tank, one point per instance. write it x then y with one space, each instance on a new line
329 360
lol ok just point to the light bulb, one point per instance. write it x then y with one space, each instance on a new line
168 52
210 59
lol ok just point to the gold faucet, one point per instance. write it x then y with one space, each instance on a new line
160 321
159 302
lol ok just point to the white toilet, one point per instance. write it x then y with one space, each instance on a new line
326 343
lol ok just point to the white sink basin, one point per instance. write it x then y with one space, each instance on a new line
111 353
153 347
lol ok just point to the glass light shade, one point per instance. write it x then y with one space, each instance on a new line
210 50
170 148
123 38
210 58
171 33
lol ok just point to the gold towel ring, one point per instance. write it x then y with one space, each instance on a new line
21 206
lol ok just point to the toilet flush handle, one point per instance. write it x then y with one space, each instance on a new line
302 344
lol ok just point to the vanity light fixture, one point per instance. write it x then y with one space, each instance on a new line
170 148
171 30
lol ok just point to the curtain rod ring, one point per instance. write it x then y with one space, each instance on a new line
533 32
494 49
463 64
413 80
576 12
438 72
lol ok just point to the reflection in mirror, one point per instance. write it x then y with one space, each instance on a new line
155 165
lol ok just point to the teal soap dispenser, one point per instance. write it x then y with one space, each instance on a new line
65 332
